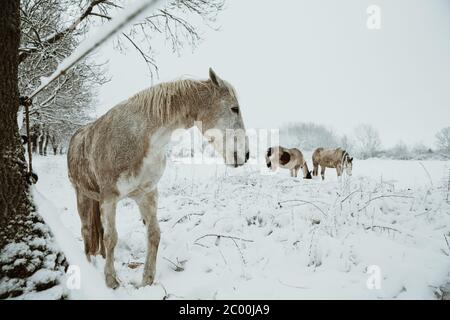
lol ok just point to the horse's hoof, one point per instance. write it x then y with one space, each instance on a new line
112 282
147 281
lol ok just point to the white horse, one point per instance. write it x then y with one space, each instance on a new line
122 154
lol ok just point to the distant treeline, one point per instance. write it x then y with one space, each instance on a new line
364 142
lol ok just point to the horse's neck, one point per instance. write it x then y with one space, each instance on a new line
161 133
343 157
305 170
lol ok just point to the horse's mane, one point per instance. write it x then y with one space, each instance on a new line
343 152
166 100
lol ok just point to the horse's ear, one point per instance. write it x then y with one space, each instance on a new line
214 77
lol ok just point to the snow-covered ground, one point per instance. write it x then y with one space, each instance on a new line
243 233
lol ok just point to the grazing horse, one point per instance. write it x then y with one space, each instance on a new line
122 154
291 159
337 158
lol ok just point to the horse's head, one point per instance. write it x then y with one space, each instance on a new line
268 157
348 164
222 122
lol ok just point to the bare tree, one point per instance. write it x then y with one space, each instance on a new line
400 151
443 141
26 243
346 143
367 141
172 22
68 101
308 136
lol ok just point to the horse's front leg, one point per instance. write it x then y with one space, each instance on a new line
148 205
296 171
339 170
108 214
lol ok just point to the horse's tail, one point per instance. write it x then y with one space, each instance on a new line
95 241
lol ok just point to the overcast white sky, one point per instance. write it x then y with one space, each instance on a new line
315 60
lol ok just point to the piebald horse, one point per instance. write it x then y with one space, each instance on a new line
334 158
122 154
291 159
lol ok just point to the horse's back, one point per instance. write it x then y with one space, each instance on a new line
317 152
298 155
327 157
114 145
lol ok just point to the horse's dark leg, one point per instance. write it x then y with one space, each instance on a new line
322 172
148 205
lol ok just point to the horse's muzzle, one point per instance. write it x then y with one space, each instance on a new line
236 162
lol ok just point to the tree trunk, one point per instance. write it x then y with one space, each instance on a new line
13 187
26 244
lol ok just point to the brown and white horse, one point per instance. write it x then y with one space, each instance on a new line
291 159
122 154
334 158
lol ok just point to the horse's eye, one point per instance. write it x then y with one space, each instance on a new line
235 109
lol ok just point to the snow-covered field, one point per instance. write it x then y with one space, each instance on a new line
243 233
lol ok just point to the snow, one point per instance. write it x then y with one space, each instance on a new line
92 284
244 233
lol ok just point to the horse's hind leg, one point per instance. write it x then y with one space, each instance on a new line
315 169
91 226
322 172
84 207
108 214
148 206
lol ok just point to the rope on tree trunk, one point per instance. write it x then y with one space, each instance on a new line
27 102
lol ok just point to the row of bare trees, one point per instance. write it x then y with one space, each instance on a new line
67 103
365 142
